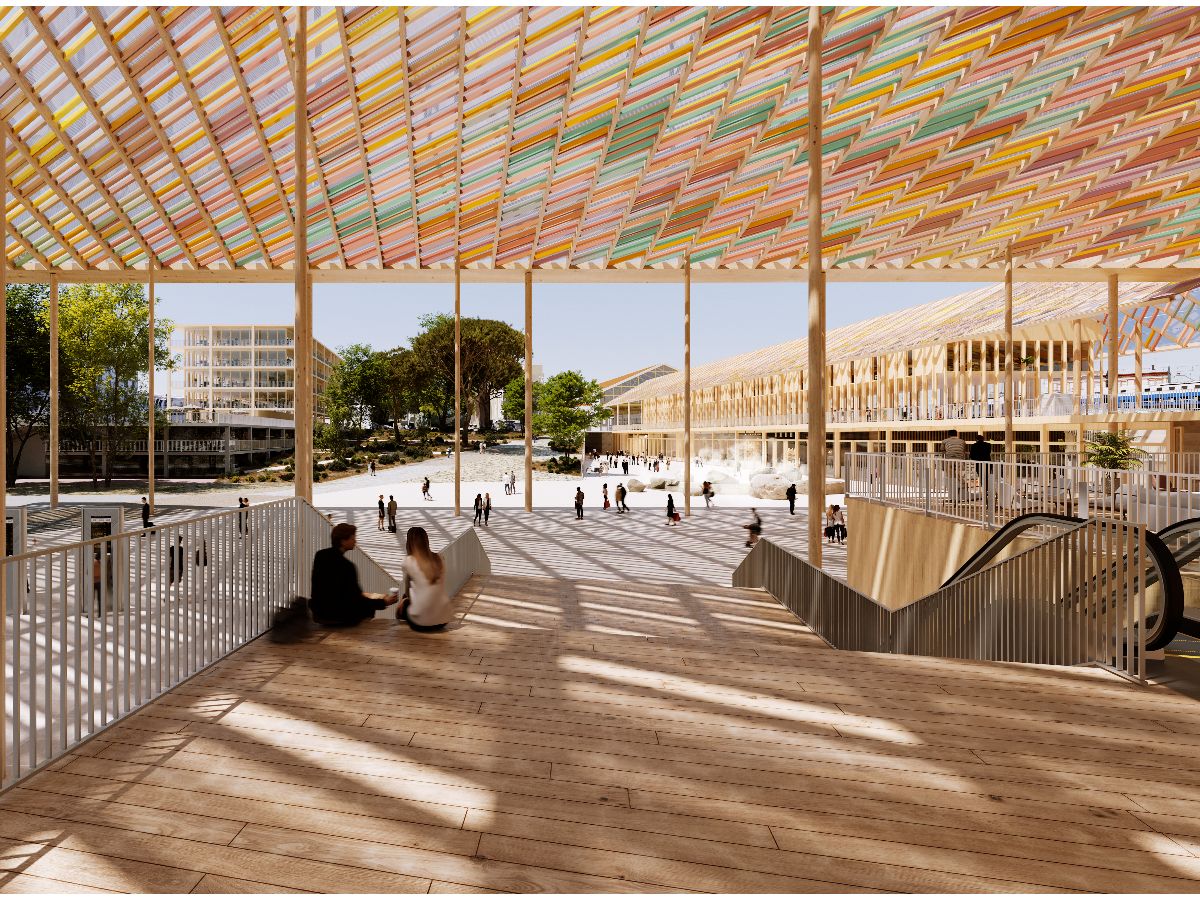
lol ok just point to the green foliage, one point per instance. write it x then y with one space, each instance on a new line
567 406
514 399
28 368
103 337
563 465
287 476
491 357
1113 450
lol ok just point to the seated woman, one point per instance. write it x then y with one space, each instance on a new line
337 598
427 605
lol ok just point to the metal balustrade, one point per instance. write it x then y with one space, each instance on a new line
1078 598
992 493
95 630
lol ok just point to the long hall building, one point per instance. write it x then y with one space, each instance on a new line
902 381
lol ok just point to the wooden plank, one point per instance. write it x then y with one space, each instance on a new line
32 884
221 884
477 870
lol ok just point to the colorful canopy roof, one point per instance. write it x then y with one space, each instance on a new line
587 137
1169 319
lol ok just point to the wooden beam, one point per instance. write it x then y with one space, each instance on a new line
352 89
259 132
303 315
310 141
185 81
1009 387
1077 367
408 130
1114 344
150 394
515 92
687 388
816 298
1137 363
138 94
647 14
528 391
101 121
457 389
5 550
549 275
54 390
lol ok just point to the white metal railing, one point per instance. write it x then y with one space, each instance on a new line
97 629
1077 598
994 492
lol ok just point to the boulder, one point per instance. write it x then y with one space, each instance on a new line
656 482
634 486
769 487
835 486
717 477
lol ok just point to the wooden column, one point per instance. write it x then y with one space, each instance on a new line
1078 386
1009 379
303 392
528 390
687 388
54 389
150 393
457 389
1137 364
816 299
4 727
1114 346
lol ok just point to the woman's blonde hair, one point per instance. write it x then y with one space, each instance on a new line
416 545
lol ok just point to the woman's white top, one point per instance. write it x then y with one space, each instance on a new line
835 518
430 604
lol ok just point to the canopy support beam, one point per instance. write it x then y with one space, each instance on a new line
1009 375
150 393
303 315
687 388
528 391
1114 347
816 299
54 392
457 390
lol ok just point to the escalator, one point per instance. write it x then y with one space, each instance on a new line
1171 550
1183 541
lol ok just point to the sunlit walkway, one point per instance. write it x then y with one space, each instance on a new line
611 736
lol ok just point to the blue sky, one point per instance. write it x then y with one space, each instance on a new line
602 330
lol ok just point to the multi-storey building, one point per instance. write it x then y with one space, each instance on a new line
245 370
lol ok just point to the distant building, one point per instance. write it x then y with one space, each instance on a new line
245 370
600 439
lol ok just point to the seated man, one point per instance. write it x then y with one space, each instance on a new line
337 598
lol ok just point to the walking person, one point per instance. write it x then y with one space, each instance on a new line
604 494
371 467
753 528
707 491
427 606
487 509
391 511
619 496
145 513
790 493
672 516
478 509
835 524
425 489
579 503
625 466
512 481
382 512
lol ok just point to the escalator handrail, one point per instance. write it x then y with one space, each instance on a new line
1011 530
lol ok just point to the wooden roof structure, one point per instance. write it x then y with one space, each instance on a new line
1169 319
589 139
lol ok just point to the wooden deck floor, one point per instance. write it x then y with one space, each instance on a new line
608 736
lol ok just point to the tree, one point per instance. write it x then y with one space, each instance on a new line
352 386
103 332
566 406
28 368
403 386
514 399
492 352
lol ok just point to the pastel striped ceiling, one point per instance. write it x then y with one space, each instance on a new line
632 137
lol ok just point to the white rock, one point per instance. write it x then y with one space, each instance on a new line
717 477
835 486
769 487
634 486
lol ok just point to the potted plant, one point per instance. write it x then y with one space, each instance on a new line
1113 451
